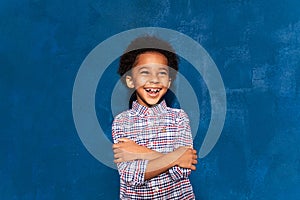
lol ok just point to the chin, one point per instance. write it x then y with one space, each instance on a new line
153 103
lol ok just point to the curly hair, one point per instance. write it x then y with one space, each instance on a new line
147 44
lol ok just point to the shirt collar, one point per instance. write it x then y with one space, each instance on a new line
144 111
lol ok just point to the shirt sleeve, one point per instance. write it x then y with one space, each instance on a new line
131 172
184 138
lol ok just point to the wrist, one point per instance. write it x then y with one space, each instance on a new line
175 159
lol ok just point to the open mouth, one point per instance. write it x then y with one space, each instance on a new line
153 90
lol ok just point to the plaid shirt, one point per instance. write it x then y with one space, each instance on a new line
162 129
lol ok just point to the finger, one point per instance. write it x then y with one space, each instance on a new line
117 151
194 162
119 157
115 146
119 160
116 156
191 151
119 145
123 140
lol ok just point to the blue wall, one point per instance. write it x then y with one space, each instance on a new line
255 44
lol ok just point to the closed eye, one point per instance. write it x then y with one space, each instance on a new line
144 72
163 73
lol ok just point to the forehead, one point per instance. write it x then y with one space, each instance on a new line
151 67
151 58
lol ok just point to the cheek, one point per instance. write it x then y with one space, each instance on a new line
141 81
166 82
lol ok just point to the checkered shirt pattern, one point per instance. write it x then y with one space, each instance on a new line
162 129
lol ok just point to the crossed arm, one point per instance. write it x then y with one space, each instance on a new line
137 163
128 150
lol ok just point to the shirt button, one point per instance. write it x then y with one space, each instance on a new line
156 189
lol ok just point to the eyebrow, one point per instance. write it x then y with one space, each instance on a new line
166 68
143 67
163 68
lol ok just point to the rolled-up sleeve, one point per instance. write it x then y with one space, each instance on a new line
184 138
131 172
178 173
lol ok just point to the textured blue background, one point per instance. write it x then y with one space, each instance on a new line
255 44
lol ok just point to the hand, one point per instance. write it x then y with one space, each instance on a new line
187 157
128 150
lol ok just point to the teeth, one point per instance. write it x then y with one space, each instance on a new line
152 90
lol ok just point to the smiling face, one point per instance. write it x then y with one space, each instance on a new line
150 78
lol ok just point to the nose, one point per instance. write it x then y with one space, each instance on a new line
154 79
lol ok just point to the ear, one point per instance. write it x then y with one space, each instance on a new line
129 81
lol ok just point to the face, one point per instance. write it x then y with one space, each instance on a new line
150 78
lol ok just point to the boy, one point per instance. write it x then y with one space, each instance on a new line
153 143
